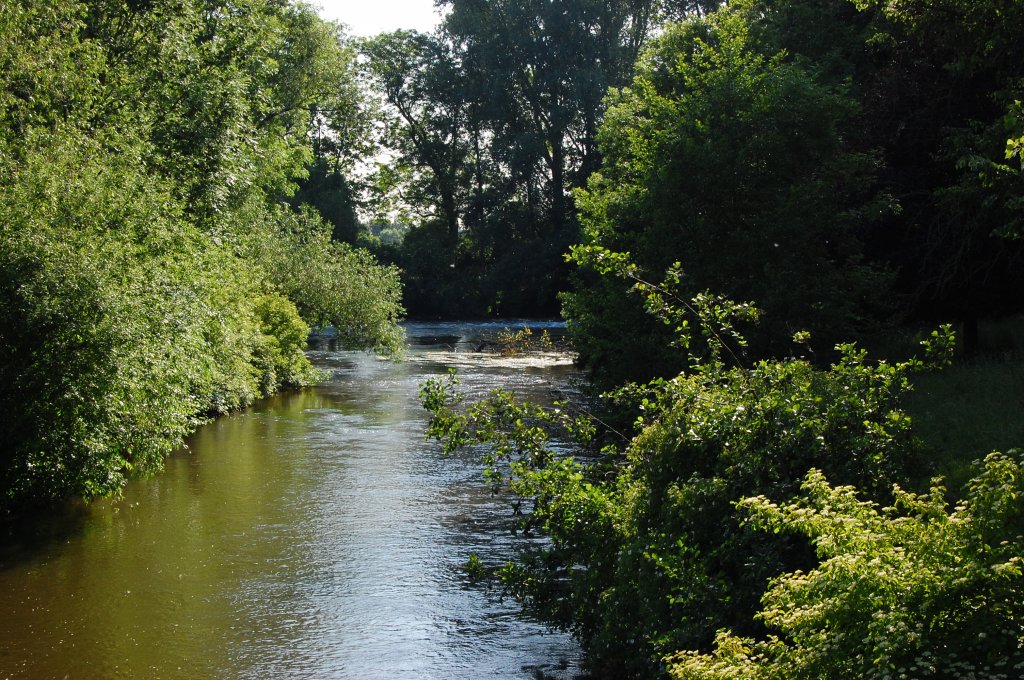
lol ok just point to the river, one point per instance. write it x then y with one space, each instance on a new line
316 535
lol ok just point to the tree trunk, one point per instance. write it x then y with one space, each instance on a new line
971 335
557 181
451 216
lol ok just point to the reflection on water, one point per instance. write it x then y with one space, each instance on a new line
316 535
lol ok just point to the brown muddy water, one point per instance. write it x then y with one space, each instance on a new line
316 535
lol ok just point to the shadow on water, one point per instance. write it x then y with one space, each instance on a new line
314 535
25 536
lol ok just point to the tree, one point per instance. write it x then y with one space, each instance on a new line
548 66
734 162
492 123
149 275
330 192
420 79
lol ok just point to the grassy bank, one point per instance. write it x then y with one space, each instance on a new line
975 406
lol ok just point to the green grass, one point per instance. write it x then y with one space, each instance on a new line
974 407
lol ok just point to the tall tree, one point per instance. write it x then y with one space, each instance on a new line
493 124
149 274
550 65
420 78
733 162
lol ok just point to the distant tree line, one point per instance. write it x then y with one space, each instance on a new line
487 126
842 164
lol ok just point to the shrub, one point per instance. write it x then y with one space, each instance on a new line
647 553
284 337
911 590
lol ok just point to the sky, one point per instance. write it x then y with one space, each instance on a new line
370 17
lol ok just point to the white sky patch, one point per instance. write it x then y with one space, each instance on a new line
370 17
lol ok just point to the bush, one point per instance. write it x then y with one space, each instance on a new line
912 590
647 553
118 330
284 336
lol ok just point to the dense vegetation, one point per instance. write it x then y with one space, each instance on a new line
151 272
657 555
777 179
744 189
857 150
841 166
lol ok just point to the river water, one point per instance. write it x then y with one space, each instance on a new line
316 535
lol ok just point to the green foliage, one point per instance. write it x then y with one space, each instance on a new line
686 566
331 283
428 283
489 122
715 316
511 343
141 150
515 434
474 567
647 554
328 190
733 161
111 306
600 339
910 590
1015 144
420 80
284 336
46 70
